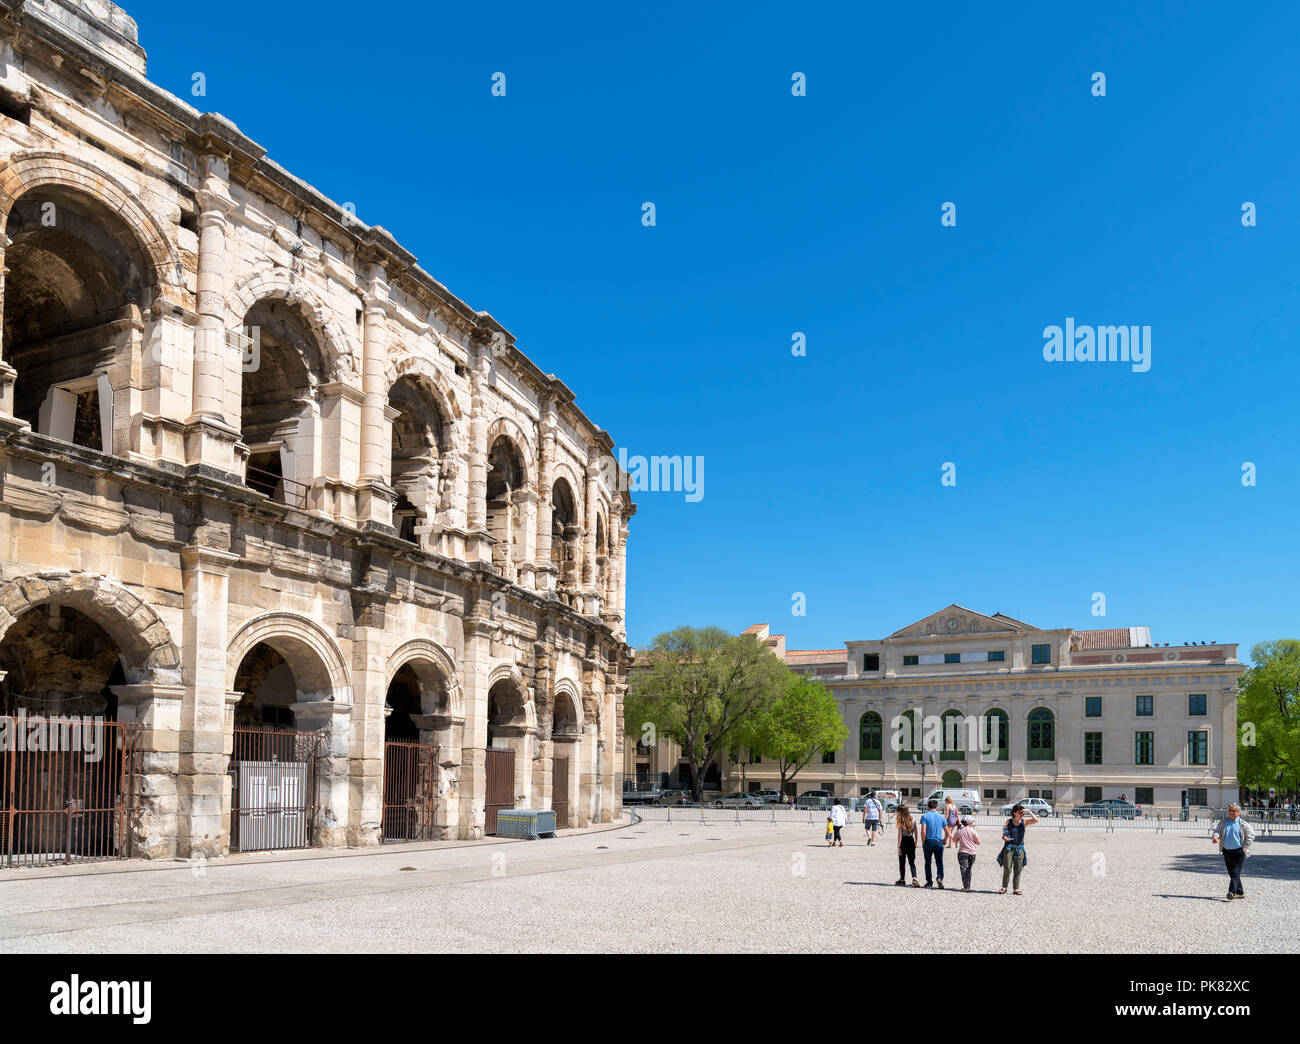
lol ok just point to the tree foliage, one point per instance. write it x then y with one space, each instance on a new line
1268 712
802 724
699 687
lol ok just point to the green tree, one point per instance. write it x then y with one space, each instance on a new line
802 724
700 687
1268 712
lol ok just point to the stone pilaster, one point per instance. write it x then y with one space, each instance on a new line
157 708
203 787
545 571
210 434
332 718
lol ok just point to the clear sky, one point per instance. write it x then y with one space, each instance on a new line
821 214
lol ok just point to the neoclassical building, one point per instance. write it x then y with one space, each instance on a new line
264 476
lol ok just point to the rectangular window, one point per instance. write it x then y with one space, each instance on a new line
1092 748
1198 745
1091 794
1197 796
1092 706
871 661
828 757
1042 654
1046 795
952 657
988 793
1144 795
910 659
1145 706
1196 704
1002 795
1144 748
998 656
1034 793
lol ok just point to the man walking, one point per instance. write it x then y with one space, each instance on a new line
1234 836
871 818
933 830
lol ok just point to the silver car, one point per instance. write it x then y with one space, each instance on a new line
1037 806
739 799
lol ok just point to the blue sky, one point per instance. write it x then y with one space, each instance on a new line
821 214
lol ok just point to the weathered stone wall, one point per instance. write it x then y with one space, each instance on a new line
136 206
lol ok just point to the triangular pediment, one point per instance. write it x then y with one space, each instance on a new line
958 620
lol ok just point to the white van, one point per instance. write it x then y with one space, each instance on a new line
967 801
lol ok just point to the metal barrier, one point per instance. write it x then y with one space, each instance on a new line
410 801
70 790
274 780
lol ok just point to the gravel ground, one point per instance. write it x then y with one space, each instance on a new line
676 887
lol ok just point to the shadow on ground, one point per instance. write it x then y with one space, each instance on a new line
1265 865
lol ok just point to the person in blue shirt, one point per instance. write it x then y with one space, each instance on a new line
1234 836
933 831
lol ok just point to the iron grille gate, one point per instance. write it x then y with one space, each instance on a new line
70 790
560 792
274 789
500 771
410 791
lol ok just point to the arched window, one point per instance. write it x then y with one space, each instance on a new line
907 739
953 724
417 441
1042 735
996 734
871 737
566 542
505 478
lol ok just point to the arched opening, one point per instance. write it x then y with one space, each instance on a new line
1042 735
418 442
871 737
65 773
953 725
951 780
279 410
566 539
505 478
269 690
507 725
566 732
76 290
997 736
602 560
402 703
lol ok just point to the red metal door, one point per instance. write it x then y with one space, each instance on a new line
500 786
560 791
410 791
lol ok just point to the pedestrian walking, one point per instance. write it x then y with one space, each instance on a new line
906 846
1234 836
838 819
830 833
933 832
1012 858
966 839
951 821
871 818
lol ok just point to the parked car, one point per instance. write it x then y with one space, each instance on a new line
674 798
889 799
967 801
739 799
851 804
769 797
1107 808
1038 806
815 799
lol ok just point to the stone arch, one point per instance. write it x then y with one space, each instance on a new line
509 428
522 710
444 395
279 284
148 652
313 656
561 470
573 719
423 655
31 170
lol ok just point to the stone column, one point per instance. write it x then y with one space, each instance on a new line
7 373
376 496
476 509
369 698
157 708
341 406
447 733
203 787
332 718
472 792
211 435
622 580
524 514
546 572
589 541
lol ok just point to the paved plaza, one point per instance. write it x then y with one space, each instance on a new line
670 887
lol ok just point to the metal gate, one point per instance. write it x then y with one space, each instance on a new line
560 791
500 786
69 790
274 779
410 791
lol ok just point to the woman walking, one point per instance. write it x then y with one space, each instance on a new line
966 840
950 822
1012 858
906 845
